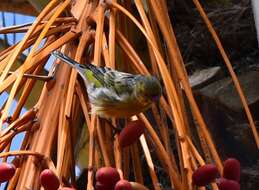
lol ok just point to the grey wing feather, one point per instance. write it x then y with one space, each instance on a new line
120 82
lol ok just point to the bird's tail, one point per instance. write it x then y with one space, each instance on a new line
65 58
81 69
95 76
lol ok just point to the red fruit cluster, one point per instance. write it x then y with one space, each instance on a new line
7 171
108 178
123 185
232 169
231 175
131 133
209 172
49 180
227 184
205 175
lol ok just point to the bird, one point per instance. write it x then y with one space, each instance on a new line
115 94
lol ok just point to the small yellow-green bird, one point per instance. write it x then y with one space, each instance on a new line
115 94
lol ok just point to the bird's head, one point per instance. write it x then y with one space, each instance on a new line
148 89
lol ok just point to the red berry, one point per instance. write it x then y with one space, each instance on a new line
49 180
232 169
131 133
123 185
100 186
205 175
227 184
107 175
7 171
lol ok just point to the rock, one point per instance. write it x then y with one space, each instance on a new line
224 92
250 178
224 115
203 77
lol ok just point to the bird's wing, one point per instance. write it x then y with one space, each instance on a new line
94 75
120 82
